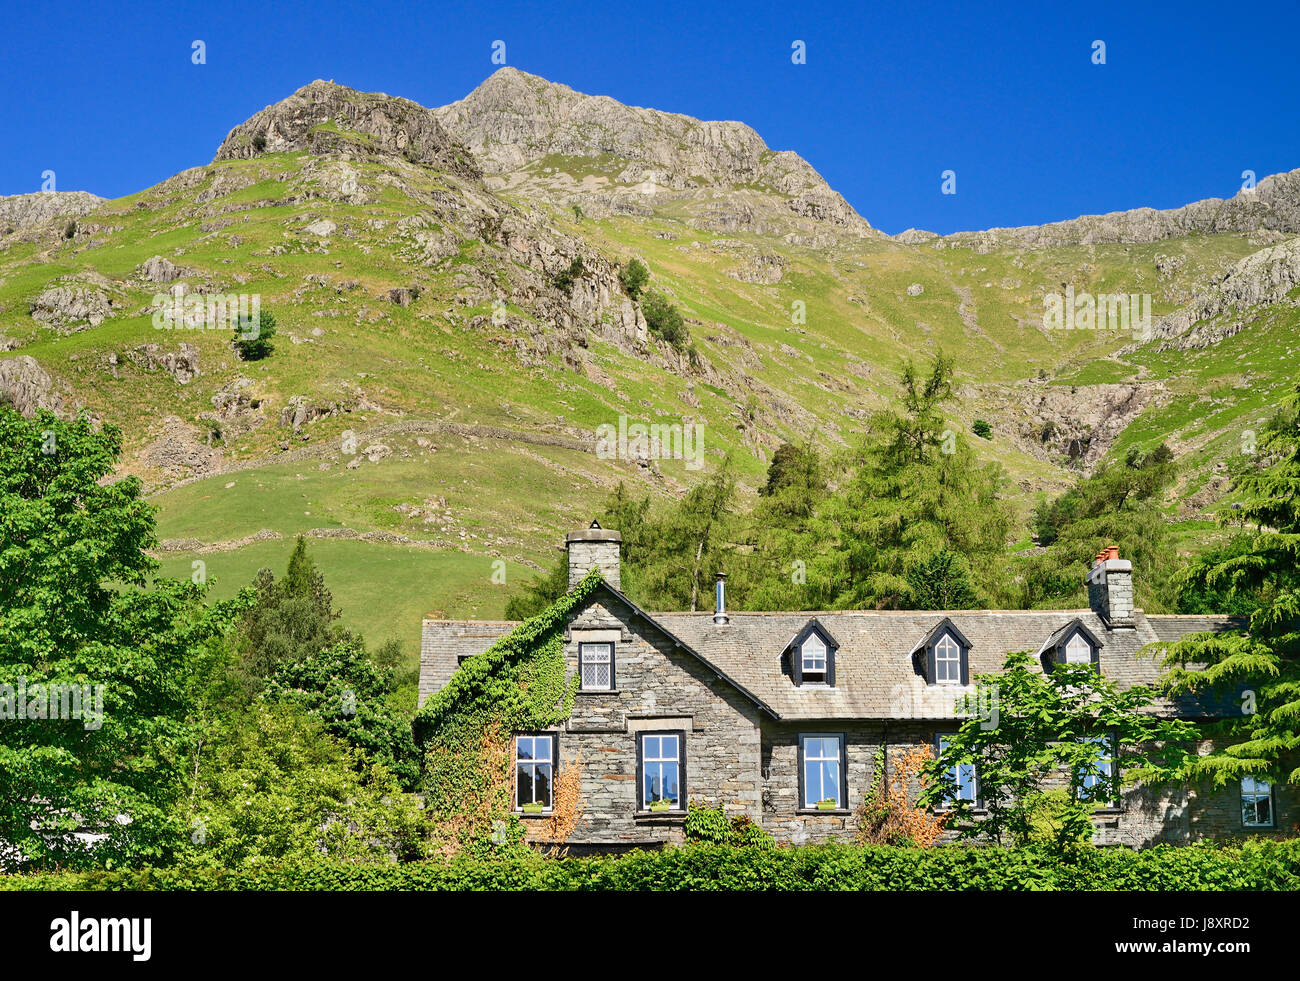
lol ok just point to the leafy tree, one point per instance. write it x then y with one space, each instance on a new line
795 466
664 320
253 338
347 691
275 784
1040 730
289 620
77 607
634 277
1260 571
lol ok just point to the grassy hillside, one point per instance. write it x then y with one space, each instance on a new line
474 435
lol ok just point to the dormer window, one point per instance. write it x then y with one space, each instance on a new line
1072 643
812 656
942 656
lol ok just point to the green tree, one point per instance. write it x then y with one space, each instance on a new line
1257 668
566 277
351 695
274 784
1027 731
78 607
911 489
664 320
982 429
634 277
289 619
941 582
254 337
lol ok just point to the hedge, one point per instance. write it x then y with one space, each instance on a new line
1255 865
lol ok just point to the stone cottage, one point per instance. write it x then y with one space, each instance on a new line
782 716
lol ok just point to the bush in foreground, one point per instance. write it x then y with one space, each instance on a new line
1255 865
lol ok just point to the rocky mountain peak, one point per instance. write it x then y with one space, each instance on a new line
324 117
546 138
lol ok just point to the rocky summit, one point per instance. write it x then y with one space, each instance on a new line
323 118
540 139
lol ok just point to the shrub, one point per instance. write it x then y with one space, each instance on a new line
710 825
665 320
259 142
634 276
253 341
565 278
982 429
1255 865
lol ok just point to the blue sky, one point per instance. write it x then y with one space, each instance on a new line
891 95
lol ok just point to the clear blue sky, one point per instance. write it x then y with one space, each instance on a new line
891 95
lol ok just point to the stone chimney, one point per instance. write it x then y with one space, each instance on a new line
1110 588
593 547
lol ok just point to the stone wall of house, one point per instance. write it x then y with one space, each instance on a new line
1215 812
658 686
1144 816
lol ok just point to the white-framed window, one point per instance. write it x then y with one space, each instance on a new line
1097 778
1078 650
813 653
823 777
534 770
662 770
947 661
596 665
963 775
1256 803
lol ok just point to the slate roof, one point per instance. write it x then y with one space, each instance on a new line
876 675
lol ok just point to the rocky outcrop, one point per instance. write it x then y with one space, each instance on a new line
1076 424
1272 205
325 118
182 365
25 386
19 210
71 308
1222 310
160 270
528 131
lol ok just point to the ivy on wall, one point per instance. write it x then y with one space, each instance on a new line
465 730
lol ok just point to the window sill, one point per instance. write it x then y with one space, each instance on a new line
534 814
600 691
837 812
659 815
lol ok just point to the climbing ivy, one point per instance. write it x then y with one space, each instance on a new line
465 730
